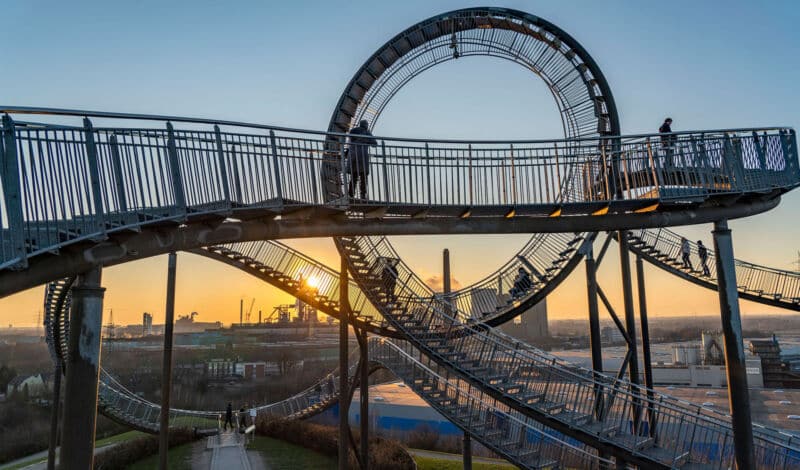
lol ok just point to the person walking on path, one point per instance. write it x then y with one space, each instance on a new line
228 417
389 278
686 250
702 252
361 140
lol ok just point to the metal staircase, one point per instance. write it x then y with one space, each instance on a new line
762 284
652 430
521 440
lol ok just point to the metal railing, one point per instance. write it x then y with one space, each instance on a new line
652 424
518 438
521 440
301 276
62 184
756 282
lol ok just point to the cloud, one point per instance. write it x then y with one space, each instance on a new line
436 282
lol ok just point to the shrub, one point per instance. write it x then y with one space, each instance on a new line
384 454
128 452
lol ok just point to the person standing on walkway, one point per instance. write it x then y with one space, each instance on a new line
228 417
702 252
665 130
686 250
361 140
389 278
667 141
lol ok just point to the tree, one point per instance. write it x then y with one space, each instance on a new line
6 374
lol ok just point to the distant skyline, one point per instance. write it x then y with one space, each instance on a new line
705 64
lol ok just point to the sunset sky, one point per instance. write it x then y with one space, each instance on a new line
708 65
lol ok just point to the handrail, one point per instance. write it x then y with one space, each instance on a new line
222 122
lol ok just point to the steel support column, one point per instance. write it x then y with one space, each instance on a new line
466 451
630 320
364 398
738 393
51 451
594 313
344 403
83 368
166 365
595 339
648 364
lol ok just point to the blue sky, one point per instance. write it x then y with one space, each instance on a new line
706 64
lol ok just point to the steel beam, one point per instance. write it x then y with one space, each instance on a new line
364 398
738 393
166 366
648 362
595 339
83 368
630 322
344 403
466 451
51 450
128 246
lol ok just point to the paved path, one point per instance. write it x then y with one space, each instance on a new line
228 452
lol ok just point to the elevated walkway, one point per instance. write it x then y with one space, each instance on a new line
79 186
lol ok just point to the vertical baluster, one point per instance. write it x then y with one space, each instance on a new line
116 168
223 168
93 164
12 192
175 171
557 186
313 174
428 173
276 168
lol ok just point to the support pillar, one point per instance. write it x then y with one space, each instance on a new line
83 368
630 320
738 393
364 399
595 339
446 279
166 366
51 451
344 403
466 451
648 362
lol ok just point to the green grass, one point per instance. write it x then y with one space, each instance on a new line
125 436
280 455
428 463
178 458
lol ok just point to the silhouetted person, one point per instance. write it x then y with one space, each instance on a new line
242 419
360 141
667 141
686 251
389 279
702 252
228 417
522 283
666 129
